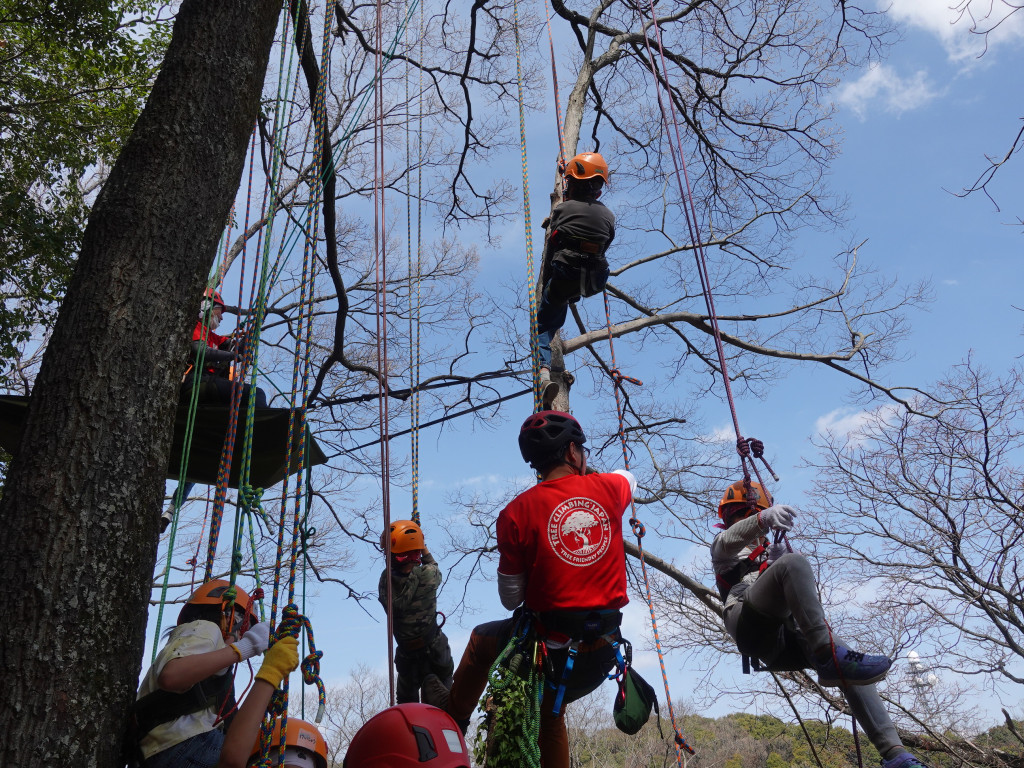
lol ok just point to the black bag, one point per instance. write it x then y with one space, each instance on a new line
633 702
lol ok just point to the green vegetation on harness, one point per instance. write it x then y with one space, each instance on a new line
509 738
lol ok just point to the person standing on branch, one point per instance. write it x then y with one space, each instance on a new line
562 558
580 229
422 646
773 612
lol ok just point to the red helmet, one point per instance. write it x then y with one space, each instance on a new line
214 295
546 432
736 494
412 735
304 745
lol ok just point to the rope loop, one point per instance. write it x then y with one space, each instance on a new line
681 743
620 377
638 528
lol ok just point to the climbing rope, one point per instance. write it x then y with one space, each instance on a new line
292 624
527 223
639 531
515 687
414 276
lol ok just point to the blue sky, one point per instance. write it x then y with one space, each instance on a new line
917 125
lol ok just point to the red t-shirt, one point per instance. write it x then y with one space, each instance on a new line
565 535
212 339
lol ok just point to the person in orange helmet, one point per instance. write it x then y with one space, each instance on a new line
186 698
305 747
580 229
773 612
422 647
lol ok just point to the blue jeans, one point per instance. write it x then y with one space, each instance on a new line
202 751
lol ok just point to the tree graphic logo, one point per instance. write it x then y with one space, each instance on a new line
579 531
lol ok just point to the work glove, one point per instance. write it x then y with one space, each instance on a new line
778 518
280 660
776 550
254 642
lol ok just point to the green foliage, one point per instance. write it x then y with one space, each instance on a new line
1000 737
74 75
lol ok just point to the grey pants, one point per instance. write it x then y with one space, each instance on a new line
786 594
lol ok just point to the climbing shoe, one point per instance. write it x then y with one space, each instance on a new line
548 388
846 667
434 692
904 760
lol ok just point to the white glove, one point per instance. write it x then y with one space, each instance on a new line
777 518
254 642
777 550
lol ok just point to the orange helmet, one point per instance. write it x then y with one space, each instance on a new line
414 735
587 165
304 745
736 493
405 537
215 592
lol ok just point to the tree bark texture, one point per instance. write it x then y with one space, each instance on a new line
80 507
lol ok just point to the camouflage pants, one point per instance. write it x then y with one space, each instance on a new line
434 658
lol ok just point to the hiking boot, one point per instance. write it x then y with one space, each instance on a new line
165 519
846 667
434 692
548 388
904 760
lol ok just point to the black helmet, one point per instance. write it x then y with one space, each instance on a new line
545 433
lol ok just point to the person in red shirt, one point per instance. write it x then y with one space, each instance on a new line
562 558
217 356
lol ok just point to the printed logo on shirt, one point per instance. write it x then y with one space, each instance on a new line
579 531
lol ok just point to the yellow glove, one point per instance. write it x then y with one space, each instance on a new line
279 660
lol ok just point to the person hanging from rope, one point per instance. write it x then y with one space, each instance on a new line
580 229
186 699
773 612
562 558
422 647
217 355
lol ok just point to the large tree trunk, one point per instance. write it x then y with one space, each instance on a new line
80 508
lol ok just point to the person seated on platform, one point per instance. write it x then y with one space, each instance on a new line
217 356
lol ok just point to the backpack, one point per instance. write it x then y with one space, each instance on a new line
633 703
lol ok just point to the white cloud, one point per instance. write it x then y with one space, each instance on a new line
723 434
881 83
852 423
951 282
956 24
842 421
